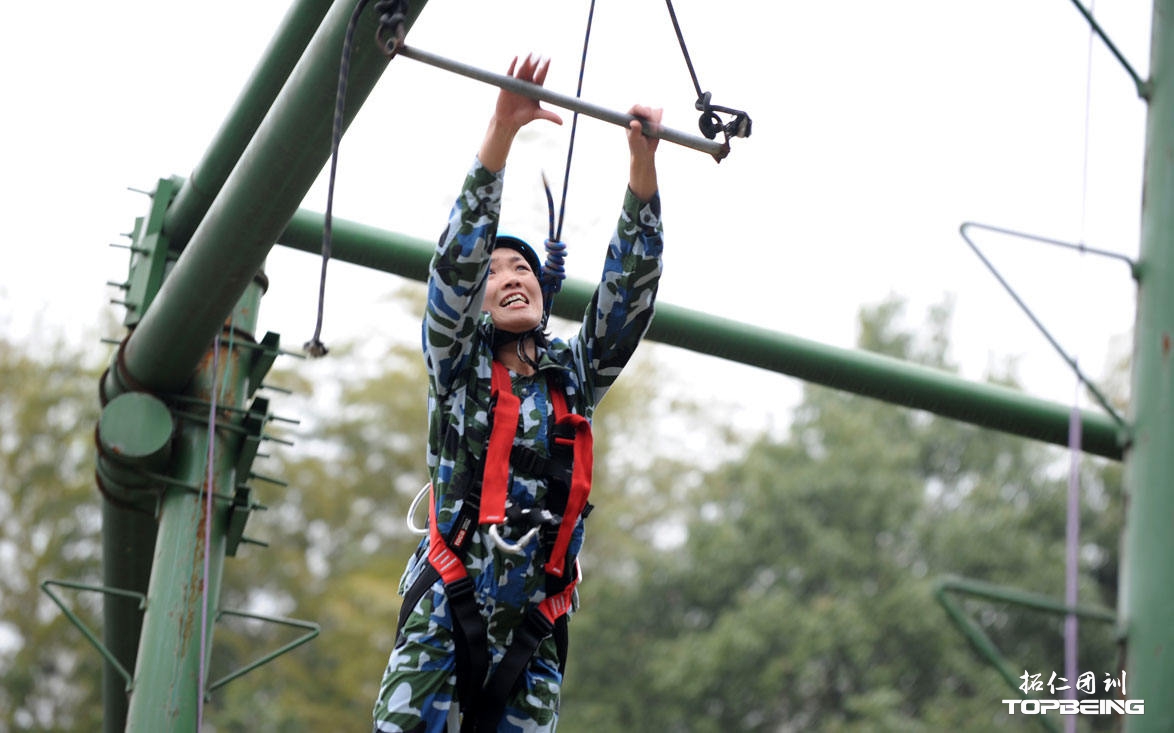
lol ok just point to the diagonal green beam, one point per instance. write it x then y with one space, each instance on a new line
264 189
859 372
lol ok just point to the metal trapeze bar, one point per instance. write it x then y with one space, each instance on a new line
718 149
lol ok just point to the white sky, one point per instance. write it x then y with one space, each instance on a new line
878 129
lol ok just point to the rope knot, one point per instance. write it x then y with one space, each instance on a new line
553 271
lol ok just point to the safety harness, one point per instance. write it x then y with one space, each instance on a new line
567 472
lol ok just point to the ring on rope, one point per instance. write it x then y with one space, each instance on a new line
393 18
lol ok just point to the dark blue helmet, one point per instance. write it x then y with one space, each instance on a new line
520 246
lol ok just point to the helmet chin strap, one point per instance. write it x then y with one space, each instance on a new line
522 353
503 338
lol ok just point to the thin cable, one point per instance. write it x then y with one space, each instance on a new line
1072 520
1092 387
1071 553
1143 88
558 231
208 484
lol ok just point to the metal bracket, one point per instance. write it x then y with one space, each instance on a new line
312 630
266 353
982 643
149 255
81 626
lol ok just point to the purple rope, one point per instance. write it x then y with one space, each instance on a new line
1072 566
1072 528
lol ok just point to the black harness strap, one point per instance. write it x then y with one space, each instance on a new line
483 696
527 637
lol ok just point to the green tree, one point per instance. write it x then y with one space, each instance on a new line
802 597
50 524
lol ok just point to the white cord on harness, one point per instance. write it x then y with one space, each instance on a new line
412 510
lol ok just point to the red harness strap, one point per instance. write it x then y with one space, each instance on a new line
440 555
580 479
486 699
495 480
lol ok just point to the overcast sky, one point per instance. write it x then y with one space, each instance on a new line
879 128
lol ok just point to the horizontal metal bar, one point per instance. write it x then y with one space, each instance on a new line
852 370
1015 596
718 149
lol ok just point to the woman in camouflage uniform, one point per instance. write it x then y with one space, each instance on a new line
485 306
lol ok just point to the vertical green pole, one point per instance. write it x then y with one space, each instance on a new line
124 563
167 682
1147 566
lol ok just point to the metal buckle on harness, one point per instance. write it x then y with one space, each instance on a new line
541 519
516 548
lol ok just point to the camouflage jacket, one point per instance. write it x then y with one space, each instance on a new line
456 340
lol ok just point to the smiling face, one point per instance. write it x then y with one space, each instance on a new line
513 296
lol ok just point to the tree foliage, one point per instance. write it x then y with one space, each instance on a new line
786 587
50 523
803 599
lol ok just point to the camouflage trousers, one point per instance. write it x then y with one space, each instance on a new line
418 691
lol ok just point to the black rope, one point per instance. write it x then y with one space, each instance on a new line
710 123
393 14
554 270
556 234
684 51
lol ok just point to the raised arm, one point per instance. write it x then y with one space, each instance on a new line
622 307
642 168
513 112
456 282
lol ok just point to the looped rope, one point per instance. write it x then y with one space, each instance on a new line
393 16
554 269
710 123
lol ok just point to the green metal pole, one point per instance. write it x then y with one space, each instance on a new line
255 203
233 219
860 372
182 598
128 533
128 543
1146 596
